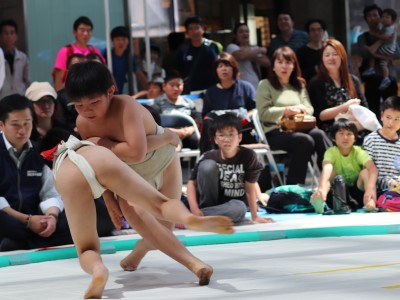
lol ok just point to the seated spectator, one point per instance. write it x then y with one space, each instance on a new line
384 145
285 94
82 30
230 93
309 55
176 41
250 58
43 97
171 101
288 35
334 89
155 64
38 220
224 181
350 164
154 90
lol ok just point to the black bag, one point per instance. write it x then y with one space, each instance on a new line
288 202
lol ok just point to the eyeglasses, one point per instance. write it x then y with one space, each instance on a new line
228 136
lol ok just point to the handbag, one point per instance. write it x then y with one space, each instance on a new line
297 123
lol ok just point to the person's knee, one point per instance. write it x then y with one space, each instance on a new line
237 210
305 142
208 166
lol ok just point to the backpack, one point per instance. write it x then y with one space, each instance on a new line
288 202
390 201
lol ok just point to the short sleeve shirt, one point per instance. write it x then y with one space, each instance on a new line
349 167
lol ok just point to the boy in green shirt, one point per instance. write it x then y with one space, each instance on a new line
349 164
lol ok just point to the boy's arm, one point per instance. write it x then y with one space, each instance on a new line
251 195
370 184
192 198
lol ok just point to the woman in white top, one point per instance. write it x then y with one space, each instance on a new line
250 58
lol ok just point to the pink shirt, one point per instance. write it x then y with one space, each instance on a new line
62 55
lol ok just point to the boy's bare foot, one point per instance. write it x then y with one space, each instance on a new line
204 275
217 224
132 261
370 206
317 201
96 287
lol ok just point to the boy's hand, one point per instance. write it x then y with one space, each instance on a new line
113 209
263 220
172 137
263 199
197 212
369 201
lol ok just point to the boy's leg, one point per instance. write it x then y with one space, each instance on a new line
116 176
81 214
234 209
369 202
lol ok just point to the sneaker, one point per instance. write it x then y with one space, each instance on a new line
384 84
368 72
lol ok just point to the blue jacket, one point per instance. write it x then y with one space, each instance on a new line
21 186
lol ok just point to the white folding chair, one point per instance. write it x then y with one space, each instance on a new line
312 167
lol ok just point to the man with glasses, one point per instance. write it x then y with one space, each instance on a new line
309 56
82 30
224 181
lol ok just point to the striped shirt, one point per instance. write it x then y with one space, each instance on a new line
386 156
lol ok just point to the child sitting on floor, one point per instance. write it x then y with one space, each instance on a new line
349 164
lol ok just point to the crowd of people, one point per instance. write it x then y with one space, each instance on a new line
300 73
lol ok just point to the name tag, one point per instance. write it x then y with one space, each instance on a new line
33 173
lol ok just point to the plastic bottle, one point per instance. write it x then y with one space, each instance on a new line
340 205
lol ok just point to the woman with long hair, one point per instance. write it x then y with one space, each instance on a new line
334 89
284 94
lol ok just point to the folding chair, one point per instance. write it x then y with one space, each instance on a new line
312 167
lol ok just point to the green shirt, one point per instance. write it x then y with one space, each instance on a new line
349 167
271 102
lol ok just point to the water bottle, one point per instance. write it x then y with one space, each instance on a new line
339 193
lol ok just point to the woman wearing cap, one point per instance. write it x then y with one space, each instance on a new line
43 97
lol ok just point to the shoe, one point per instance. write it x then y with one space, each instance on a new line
368 72
384 84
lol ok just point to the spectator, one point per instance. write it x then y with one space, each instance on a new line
384 145
334 89
82 30
372 15
67 113
2 69
16 64
31 214
155 54
353 166
224 181
288 36
43 97
385 47
250 58
309 55
176 41
285 94
230 93
120 52
195 60
171 101
154 90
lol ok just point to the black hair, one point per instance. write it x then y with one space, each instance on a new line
343 124
120 31
284 13
369 8
193 20
82 20
392 102
171 75
72 56
94 57
88 79
9 22
391 12
224 121
14 102
175 40
312 21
